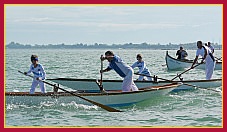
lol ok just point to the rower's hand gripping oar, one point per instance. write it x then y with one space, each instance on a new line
178 75
101 86
110 109
99 83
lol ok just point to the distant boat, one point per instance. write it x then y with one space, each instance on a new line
177 64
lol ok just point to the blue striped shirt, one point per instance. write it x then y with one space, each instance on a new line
37 71
119 66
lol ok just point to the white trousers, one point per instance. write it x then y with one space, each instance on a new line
128 83
209 69
142 77
35 84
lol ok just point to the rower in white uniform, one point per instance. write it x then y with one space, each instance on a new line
39 74
143 70
207 55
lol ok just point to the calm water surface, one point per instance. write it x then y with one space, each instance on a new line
185 108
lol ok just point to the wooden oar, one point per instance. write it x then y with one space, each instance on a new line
201 87
177 81
110 109
101 86
186 71
153 77
100 83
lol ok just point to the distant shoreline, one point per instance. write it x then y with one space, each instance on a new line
188 46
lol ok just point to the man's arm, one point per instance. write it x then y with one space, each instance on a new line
105 70
195 60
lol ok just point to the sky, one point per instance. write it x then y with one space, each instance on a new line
113 24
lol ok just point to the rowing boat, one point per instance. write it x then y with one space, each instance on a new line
109 98
177 64
90 84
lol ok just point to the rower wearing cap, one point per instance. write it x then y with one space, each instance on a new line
39 74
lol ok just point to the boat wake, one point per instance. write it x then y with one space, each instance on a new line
72 106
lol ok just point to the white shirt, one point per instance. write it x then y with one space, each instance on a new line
211 48
142 67
37 71
202 53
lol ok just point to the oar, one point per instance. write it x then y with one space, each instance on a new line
110 109
153 77
201 87
100 83
186 71
101 86
176 81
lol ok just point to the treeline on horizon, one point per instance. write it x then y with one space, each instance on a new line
14 45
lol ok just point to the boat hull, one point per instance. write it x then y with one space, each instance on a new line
90 84
176 64
110 98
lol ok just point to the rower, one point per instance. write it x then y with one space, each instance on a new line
181 54
124 70
39 75
142 68
207 56
211 47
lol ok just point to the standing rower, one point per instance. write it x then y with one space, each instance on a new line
125 71
142 68
39 74
206 54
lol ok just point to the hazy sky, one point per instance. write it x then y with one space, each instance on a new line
111 24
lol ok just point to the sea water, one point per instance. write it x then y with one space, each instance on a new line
191 108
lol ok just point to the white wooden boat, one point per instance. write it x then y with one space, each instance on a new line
90 84
176 64
109 98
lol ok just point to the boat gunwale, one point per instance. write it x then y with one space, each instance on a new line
93 80
84 93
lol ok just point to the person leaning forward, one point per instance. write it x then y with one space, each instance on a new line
125 71
207 55
142 68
